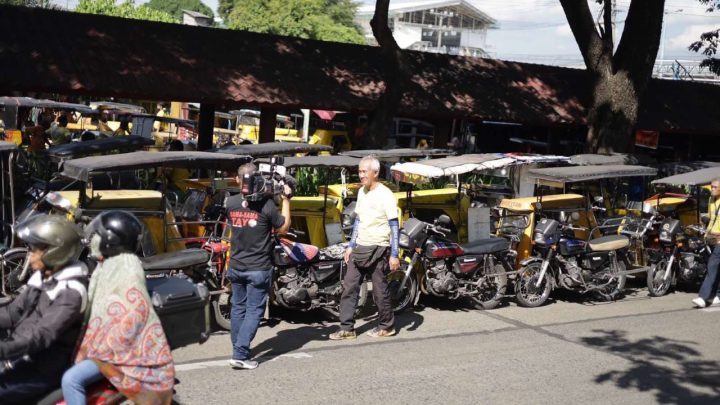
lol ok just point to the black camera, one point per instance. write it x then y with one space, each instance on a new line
267 182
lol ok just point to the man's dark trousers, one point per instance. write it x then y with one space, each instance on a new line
381 295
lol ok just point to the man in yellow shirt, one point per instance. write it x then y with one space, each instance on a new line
373 249
59 134
709 288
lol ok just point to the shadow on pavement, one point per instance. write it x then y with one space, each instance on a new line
674 370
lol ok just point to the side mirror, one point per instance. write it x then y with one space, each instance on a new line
443 220
705 220
575 216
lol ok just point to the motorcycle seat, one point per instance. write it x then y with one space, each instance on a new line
176 260
485 246
608 243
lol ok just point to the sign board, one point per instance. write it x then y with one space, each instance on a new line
478 223
647 139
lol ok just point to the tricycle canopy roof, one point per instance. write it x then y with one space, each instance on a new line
41 103
170 120
455 165
384 154
554 201
558 176
117 107
275 148
696 178
7 146
80 169
86 148
588 159
322 161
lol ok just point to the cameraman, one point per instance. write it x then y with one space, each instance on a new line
253 216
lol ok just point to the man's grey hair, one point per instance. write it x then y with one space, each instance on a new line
374 162
715 180
246 168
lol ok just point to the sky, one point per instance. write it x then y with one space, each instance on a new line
537 31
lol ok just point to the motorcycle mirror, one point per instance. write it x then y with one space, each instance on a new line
443 220
575 216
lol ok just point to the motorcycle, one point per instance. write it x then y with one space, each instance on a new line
477 270
306 277
683 257
563 260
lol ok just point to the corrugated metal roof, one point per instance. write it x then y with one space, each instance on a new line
115 57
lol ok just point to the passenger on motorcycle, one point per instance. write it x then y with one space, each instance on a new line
40 326
124 341
709 288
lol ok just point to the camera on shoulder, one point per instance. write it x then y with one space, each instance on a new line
267 182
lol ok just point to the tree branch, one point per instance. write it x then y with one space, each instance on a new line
582 25
608 23
381 28
640 40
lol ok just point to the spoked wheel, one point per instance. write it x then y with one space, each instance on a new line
527 292
656 282
491 289
405 298
333 311
222 304
611 284
13 262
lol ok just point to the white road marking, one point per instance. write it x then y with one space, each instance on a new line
224 363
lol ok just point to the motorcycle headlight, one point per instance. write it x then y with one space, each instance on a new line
665 236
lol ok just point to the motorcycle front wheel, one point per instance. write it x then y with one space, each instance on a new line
405 298
527 292
13 262
657 285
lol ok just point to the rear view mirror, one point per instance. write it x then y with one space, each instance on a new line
575 216
443 220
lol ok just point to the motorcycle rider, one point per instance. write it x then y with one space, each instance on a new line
373 248
250 273
41 325
124 341
709 288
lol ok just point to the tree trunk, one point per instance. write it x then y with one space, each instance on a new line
620 78
395 76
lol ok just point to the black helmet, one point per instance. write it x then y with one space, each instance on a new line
119 232
55 234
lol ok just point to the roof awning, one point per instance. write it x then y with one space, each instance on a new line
415 172
80 169
275 148
558 176
697 178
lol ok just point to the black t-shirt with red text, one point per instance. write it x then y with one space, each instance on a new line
252 224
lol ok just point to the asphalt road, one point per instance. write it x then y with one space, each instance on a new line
639 350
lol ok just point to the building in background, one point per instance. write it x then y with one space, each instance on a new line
198 19
455 27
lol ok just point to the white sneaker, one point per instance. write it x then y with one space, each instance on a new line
715 300
699 302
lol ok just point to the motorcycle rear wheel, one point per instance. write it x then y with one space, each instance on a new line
615 287
333 312
527 293
657 286
492 290
221 309
406 298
